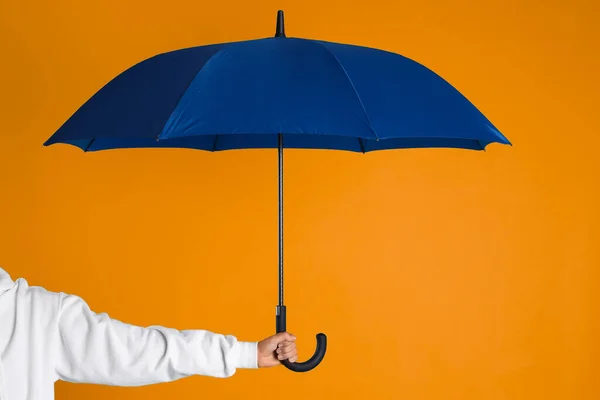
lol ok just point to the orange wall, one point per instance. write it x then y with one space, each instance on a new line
437 274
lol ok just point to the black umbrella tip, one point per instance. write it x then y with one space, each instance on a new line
280 30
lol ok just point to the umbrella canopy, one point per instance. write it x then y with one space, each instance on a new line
279 93
321 95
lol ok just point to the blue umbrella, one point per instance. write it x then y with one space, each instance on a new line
279 93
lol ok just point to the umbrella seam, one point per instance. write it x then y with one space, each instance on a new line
351 85
186 89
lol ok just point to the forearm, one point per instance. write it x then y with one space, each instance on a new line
94 348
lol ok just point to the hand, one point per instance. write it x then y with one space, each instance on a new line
274 349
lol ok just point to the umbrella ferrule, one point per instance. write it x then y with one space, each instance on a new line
280 29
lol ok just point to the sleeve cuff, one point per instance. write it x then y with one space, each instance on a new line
245 355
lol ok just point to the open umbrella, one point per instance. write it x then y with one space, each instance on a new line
278 92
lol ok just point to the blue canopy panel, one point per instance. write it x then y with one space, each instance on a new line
241 95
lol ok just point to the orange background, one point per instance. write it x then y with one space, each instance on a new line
436 274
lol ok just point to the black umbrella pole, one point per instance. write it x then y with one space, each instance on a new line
280 163
281 312
280 308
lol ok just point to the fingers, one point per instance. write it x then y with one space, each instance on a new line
287 351
286 344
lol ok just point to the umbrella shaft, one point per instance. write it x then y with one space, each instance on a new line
280 154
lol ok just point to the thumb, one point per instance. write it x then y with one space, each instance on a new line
283 337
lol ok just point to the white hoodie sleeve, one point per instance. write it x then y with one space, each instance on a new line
93 348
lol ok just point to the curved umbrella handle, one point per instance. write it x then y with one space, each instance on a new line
317 357
312 362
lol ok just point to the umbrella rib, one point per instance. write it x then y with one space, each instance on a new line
89 145
351 85
214 148
362 145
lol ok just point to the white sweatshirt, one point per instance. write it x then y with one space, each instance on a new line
45 337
